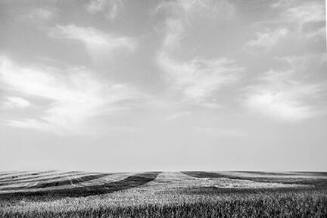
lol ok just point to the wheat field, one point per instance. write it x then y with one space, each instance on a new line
163 194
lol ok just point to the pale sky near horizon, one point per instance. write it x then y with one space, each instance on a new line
118 85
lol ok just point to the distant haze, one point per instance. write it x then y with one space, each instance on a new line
123 85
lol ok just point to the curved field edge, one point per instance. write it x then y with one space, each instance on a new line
319 183
127 183
42 178
302 204
66 181
23 175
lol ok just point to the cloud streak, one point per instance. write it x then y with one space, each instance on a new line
16 102
97 43
282 98
41 14
110 8
220 132
75 95
308 12
197 78
267 40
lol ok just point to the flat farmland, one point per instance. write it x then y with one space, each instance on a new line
163 194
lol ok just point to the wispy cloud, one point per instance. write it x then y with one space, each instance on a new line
97 43
220 132
15 102
304 22
178 115
39 17
301 12
306 13
173 34
304 63
41 14
281 97
281 3
267 39
75 95
309 17
181 13
306 17
199 78
188 9
110 8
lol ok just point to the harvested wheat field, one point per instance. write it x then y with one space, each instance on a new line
163 194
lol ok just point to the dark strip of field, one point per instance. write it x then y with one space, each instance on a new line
41 179
268 173
11 176
130 182
203 174
316 182
17 177
313 173
67 181
211 190
4 174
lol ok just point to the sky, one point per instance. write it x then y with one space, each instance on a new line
118 85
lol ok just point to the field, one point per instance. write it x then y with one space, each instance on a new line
163 194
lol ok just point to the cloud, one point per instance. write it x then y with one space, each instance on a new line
303 20
301 12
199 78
40 17
307 17
178 115
181 13
279 104
318 33
75 95
220 132
109 7
304 63
281 3
16 102
189 9
31 124
306 13
97 43
173 36
282 98
95 6
41 14
266 40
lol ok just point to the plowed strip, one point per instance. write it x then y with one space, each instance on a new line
50 177
14 174
54 183
130 182
317 182
18 177
203 174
